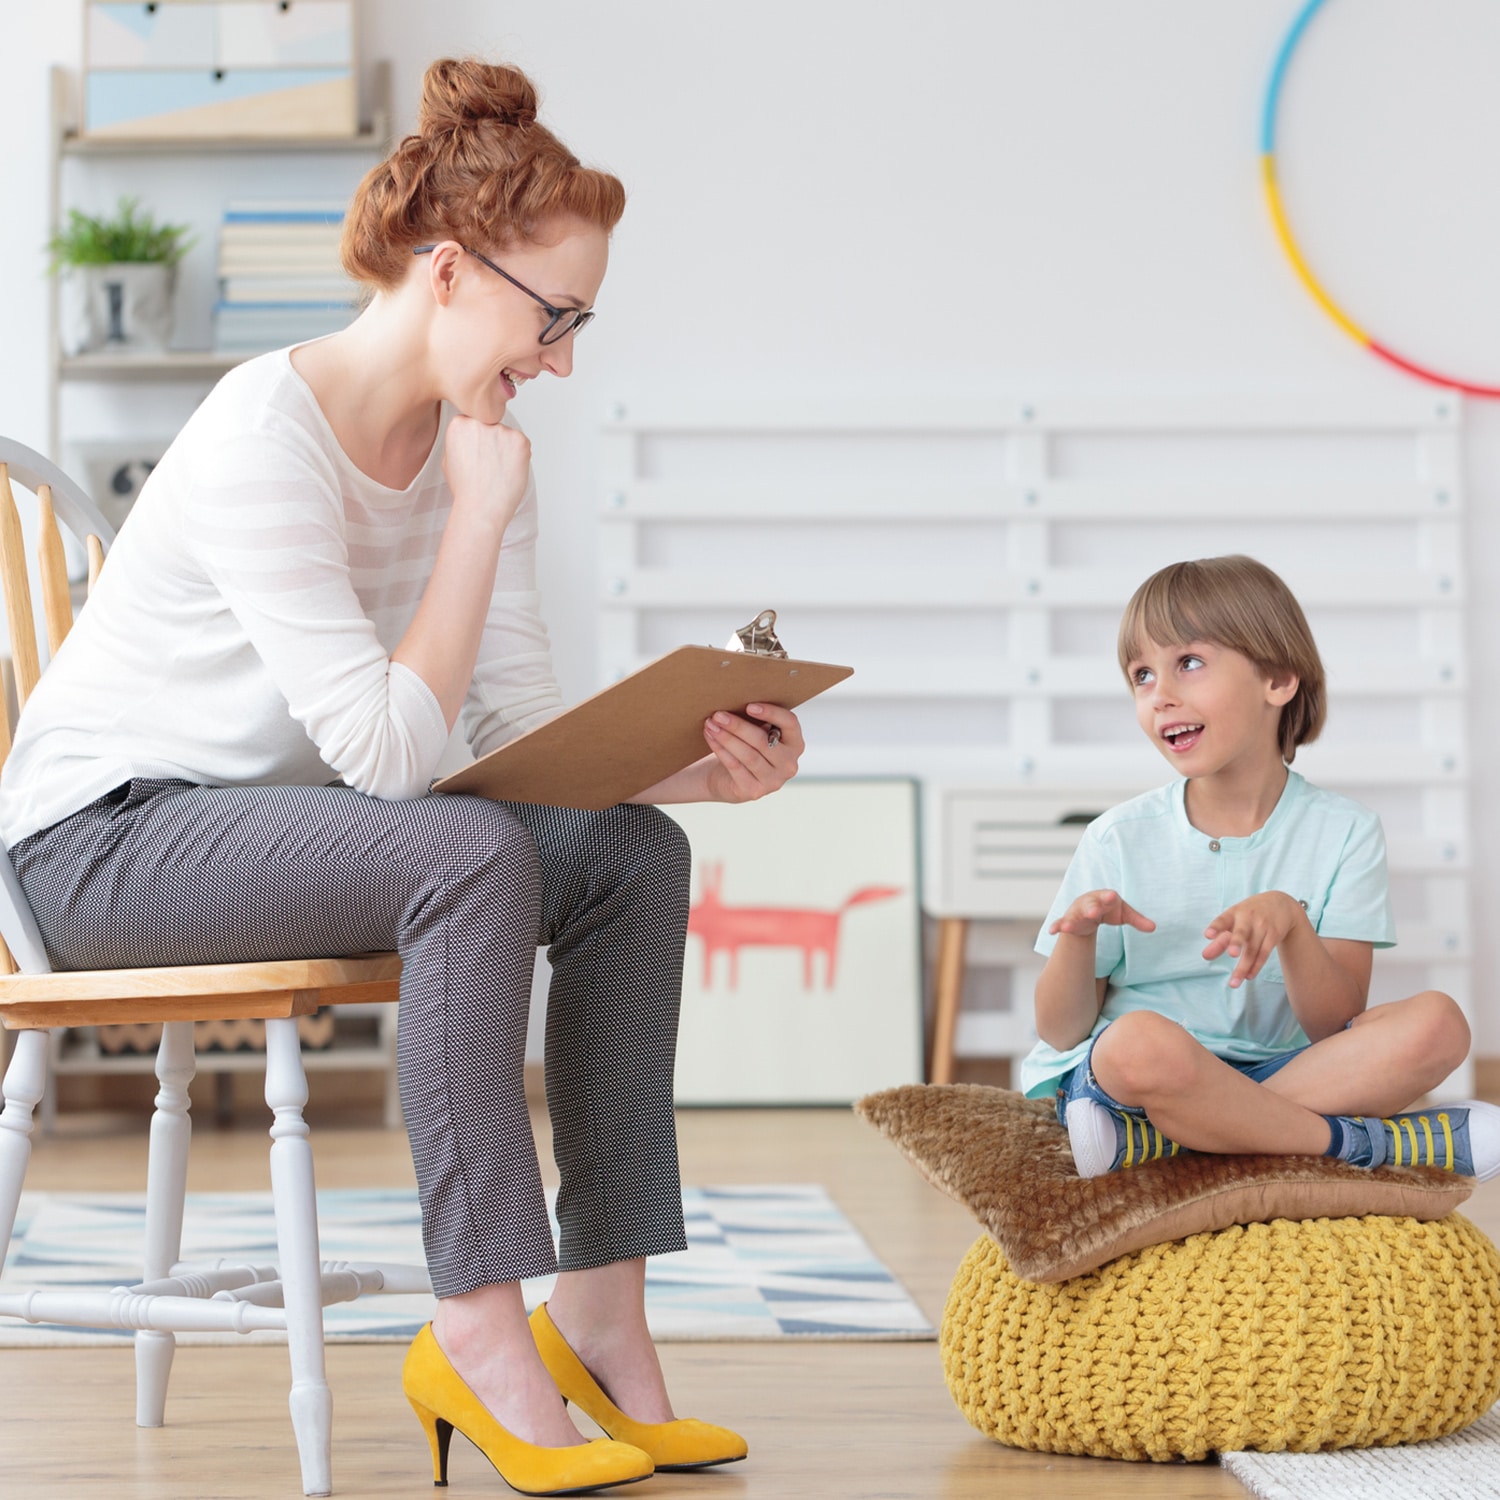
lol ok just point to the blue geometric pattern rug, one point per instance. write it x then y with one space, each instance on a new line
761 1263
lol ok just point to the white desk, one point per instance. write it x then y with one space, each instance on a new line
997 854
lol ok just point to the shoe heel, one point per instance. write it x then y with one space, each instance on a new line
439 1435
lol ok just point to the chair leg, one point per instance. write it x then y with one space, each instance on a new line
295 1198
395 1119
48 1121
950 983
166 1188
25 1079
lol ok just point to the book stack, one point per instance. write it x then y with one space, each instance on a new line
280 278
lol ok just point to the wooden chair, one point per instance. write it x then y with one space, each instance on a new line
171 1298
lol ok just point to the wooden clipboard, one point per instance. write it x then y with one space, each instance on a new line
646 727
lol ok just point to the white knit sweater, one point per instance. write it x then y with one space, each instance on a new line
241 631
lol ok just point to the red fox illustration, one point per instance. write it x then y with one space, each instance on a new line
731 928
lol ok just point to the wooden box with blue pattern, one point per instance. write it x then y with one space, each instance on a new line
219 69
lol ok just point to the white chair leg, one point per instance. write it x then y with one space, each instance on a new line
395 1119
166 1188
48 1121
295 1197
25 1079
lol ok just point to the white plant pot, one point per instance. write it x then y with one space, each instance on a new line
77 329
127 306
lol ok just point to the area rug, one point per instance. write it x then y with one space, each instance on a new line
762 1263
1465 1466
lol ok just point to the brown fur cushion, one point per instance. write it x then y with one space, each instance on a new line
1007 1160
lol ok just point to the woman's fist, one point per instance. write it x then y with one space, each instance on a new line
487 466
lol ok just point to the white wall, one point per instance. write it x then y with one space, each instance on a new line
856 195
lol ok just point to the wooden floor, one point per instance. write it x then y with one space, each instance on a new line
832 1421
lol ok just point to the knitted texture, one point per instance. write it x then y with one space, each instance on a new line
1293 1335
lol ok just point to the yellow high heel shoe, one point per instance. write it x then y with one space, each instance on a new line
443 1402
684 1444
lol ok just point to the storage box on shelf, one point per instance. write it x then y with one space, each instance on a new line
206 68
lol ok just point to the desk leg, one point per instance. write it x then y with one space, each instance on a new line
950 983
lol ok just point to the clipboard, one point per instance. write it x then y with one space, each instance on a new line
645 727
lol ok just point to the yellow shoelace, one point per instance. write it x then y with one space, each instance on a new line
1403 1130
1154 1144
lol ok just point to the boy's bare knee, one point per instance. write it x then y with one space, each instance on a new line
1140 1054
1442 1030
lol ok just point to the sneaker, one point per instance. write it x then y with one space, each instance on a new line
1462 1138
1104 1140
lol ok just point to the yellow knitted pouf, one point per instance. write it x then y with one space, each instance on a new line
1294 1335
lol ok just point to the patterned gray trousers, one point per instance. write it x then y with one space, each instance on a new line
465 889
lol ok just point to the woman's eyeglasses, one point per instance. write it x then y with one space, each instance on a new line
561 321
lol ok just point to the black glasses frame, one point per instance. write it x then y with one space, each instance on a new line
561 321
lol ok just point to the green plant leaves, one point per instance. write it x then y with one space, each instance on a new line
129 236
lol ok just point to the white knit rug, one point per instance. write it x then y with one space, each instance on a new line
1465 1466
763 1262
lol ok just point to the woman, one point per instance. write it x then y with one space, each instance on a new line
332 565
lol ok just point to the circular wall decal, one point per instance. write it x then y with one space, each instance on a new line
1289 243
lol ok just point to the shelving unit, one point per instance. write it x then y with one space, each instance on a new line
201 367
176 364
365 1035
364 1042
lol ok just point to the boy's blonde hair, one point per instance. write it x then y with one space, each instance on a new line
1241 604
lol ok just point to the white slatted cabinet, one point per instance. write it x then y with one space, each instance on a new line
970 557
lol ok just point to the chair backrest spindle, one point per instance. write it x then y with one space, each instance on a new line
18 616
57 596
57 600
58 499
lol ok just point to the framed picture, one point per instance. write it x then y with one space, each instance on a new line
803 976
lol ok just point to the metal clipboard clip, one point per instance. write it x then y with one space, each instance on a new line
759 639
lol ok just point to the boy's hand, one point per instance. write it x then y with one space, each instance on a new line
1251 931
1096 909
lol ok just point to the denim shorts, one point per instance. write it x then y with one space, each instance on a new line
1080 1083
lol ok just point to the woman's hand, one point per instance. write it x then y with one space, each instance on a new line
1251 931
749 760
487 466
752 759
1096 909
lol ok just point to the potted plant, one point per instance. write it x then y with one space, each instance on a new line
118 275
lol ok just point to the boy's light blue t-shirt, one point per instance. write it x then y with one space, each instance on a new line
1325 850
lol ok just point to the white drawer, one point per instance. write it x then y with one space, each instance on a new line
215 103
1002 852
300 34
181 35
207 34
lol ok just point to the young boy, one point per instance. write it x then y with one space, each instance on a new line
1208 955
